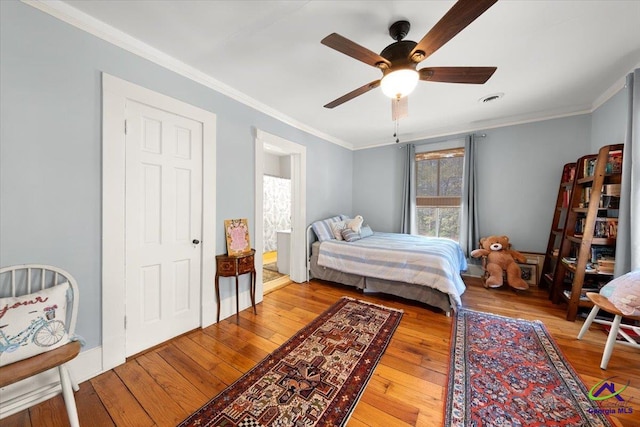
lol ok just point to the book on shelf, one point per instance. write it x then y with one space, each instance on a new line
606 265
566 198
586 197
614 162
613 213
600 228
589 167
612 228
599 252
568 174
571 262
611 190
606 228
579 227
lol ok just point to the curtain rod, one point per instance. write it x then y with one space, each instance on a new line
404 144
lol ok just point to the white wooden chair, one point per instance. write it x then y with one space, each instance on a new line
601 302
18 281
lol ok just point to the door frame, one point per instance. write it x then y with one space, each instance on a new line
115 93
298 154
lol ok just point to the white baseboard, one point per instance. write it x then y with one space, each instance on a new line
31 391
28 392
228 305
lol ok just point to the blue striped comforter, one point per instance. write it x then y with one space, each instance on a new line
419 260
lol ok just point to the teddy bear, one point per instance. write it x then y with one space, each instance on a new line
500 257
356 223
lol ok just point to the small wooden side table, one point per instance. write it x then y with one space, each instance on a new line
237 265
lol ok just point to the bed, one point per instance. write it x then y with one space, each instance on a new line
414 267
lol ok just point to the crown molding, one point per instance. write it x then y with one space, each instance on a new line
454 132
91 25
613 89
608 94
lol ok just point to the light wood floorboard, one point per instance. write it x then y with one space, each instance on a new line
269 257
164 385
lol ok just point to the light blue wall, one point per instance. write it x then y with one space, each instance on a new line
609 121
377 186
519 172
50 148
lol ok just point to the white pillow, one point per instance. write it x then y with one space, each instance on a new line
626 293
322 228
34 323
337 227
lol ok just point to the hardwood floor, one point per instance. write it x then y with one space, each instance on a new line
165 385
269 257
269 286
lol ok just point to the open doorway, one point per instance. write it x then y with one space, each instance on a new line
276 220
295 156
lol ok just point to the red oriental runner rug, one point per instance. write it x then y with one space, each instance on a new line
510 372
315 378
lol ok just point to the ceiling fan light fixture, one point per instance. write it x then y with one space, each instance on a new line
399 83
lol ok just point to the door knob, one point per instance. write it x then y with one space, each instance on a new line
195 241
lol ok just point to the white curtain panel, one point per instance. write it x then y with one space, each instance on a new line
628 243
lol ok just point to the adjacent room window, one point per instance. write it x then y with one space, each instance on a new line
439 192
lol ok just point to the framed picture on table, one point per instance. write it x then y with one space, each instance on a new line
237 233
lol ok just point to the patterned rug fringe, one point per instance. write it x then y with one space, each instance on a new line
399 310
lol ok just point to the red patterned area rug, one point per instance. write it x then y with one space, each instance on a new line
315 378
510 372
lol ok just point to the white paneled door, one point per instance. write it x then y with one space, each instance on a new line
163 225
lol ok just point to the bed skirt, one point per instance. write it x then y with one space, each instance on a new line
423 294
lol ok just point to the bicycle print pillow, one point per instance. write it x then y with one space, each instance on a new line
33 324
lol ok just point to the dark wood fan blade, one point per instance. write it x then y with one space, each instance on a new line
354 50
473 75
349 96
463 13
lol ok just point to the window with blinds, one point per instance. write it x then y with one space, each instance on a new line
439 192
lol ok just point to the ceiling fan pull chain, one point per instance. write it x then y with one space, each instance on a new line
395 133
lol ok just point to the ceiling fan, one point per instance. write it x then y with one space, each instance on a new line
398 61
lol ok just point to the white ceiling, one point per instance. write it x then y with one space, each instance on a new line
554 58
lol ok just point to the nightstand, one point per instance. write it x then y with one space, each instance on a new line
236 265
